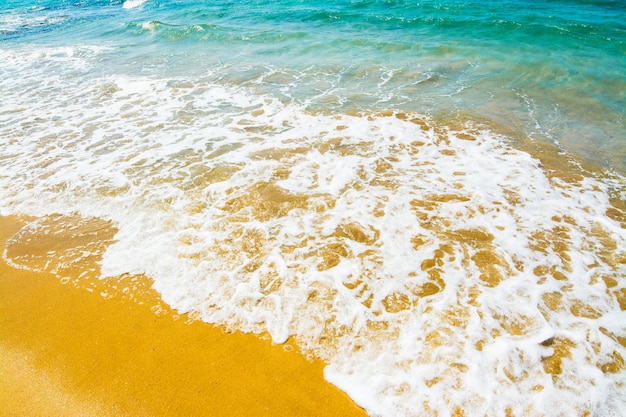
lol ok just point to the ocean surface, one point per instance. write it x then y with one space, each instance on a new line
428 195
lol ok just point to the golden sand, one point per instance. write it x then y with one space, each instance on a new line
68 351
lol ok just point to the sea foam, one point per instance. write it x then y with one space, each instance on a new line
436 269
131 4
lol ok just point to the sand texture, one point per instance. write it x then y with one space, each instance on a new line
84 347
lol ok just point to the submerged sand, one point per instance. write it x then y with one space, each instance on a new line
67 350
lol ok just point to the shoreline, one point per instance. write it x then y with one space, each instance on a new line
68 351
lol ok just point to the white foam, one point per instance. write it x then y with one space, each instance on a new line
131 4
332 228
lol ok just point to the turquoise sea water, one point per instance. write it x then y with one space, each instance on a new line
428 195
551 70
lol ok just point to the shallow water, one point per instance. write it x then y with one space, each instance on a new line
428 196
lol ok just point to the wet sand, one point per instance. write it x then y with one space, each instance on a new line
65 350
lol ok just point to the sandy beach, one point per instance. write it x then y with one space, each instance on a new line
292 208
85 350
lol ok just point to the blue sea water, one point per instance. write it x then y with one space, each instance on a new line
550 70
428 195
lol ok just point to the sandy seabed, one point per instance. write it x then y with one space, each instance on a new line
67 350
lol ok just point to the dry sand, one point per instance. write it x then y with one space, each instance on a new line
65 350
